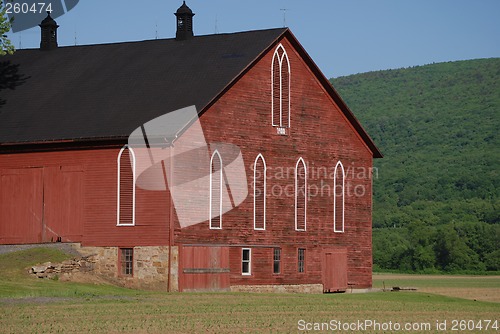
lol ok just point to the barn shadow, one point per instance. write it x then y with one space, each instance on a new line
10 78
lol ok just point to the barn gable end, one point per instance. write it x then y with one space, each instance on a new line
320 136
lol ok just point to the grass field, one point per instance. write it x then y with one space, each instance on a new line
484 288
29 305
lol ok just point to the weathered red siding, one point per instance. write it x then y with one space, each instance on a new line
262 265
321 135
79 188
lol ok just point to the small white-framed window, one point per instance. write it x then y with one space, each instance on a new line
280 89
259 193
246 261
125 211
300 195
338 198
216 182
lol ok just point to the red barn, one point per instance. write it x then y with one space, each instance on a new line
68 171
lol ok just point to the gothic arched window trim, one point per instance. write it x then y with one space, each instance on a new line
338 224
215 221
280 101
259 175
300 225
119 213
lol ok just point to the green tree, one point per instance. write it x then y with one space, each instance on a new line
389 246
452 253
420 253
6 46
492 260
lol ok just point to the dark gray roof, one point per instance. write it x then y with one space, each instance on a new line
104 92
108 90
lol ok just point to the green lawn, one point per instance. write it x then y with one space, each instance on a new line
15 282
29 305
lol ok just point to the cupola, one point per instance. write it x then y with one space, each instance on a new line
184 22
49 33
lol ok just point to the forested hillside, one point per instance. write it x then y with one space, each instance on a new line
437 194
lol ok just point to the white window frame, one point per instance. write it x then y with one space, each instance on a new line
301 160
280 62
260 156
132 154
211 218
339 163
249 261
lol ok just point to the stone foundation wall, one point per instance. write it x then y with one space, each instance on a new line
150 266
293 288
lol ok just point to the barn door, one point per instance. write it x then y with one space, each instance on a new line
41 205
21 205
334 270
204 268
63 200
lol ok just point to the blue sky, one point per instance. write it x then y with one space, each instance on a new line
342 36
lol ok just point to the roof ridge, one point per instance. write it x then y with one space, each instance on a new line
196 37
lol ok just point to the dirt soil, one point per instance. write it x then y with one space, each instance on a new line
483 294
490 294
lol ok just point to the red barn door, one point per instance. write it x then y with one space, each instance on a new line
63 200
41 205
334 267
204 268
21 205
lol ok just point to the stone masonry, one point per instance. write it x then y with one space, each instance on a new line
150 267
293 288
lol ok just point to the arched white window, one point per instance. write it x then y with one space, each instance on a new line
126 187
280 88
338 198
259 193
300 195
216 179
